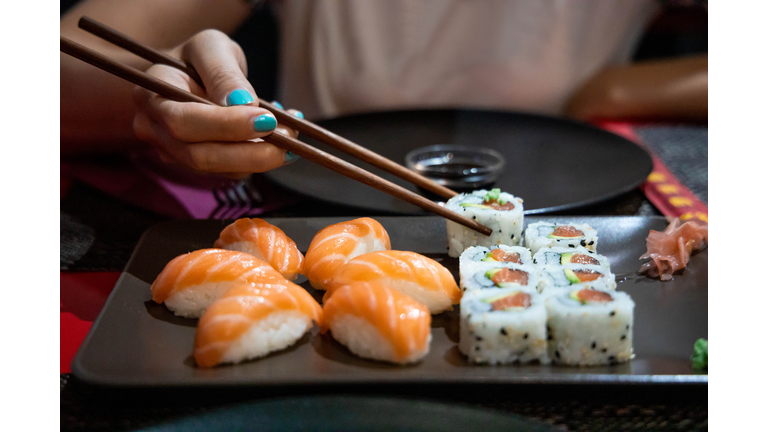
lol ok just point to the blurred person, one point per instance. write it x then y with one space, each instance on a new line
340 57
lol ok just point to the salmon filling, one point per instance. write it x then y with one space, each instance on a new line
584 259
567 231
502 256
587 275
494 204
593 296
520 299
506 275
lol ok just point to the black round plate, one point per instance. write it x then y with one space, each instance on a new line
348 413
553 164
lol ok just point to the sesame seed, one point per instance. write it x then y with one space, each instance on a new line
604 350
613 313
571 245
525 336
479 339
477 348
503 331
623 337
592 242
594 345
584 243
557 354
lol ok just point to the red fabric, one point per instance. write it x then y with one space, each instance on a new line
662 188
82 297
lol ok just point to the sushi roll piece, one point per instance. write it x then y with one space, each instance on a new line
588 327
548 234
477 257
504 326
500 211
493 276
572 277
421 278
378 322
559 256
264 241
336 244
500 254
190 283
254 319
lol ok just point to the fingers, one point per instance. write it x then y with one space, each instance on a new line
211 156
222 67
194 122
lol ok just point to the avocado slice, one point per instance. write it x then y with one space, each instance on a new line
489 274
498 297
465 205
566 258
574 295
488 258
552 236
571 276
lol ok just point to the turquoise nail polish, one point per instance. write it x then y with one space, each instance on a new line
239 97
290 157
264 123
277 104
299 114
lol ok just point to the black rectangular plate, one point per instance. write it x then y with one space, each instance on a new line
136 342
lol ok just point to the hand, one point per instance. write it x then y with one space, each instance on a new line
212 139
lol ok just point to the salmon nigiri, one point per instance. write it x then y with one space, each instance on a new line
336 244
378 322
253 319
264 241
421 278
193 281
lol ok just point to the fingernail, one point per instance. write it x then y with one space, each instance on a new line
291 158
299 114
239 97
264 123
277 104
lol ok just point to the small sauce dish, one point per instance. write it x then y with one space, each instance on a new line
457 166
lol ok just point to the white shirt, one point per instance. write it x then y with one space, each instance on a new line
346 56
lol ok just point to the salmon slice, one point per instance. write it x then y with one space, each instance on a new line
414 275
191 282
400 321
264 241
253 319
336 244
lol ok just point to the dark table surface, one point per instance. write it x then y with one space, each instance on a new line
99 232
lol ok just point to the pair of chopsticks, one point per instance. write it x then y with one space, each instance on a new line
306 151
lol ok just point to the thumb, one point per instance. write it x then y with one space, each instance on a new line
221 64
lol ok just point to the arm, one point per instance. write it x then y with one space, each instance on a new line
663 89
97 109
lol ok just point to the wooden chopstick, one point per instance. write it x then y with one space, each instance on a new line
304 126
285 142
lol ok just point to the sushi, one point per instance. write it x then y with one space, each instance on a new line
421 278
378 322
477 257
588 327
336 244
254 319
500 211
560 256
190 283
264 241
504 326
576 277
485 276
547 234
